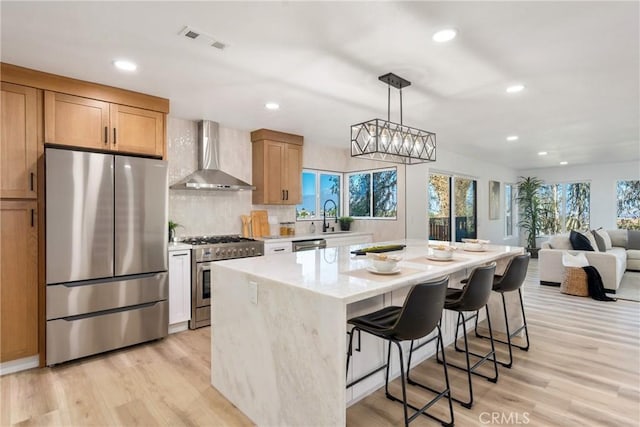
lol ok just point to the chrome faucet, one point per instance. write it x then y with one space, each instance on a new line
325 224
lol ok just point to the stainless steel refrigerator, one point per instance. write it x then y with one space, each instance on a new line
106 252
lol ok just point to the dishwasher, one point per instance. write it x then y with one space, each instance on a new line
308 244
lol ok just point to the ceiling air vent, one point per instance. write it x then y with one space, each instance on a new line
199 36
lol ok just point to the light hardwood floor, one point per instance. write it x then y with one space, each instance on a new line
583 369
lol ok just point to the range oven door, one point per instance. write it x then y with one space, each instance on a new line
203 284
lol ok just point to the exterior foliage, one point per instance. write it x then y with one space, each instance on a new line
373 194
628 193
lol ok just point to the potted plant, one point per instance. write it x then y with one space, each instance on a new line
530 210
172 230
345 223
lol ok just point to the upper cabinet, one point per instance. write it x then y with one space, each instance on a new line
277 167
18 142
89 123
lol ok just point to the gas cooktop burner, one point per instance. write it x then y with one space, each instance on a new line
212 240
216 248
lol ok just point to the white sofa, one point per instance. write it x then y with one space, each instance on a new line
610 264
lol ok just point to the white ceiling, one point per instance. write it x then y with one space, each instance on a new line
321 61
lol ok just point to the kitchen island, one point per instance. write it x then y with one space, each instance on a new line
279 331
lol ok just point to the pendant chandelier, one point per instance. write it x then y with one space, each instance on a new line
387 141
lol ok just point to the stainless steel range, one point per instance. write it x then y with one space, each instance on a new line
206 250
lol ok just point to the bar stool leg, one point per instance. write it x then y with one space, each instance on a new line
524 323
509 333
349 351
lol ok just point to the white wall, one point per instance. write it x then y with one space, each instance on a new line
456 164
603 179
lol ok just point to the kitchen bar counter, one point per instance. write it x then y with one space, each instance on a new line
330 235
279 326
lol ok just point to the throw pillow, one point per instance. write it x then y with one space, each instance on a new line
579 241
578 260
606 239
592 240
634 239
560 241
599 241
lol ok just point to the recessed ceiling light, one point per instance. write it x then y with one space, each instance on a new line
542 153
445 35
272 106
564 163
515 88
512 138
124 65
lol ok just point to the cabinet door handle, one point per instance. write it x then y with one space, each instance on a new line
31 178
287 192
114 137
282 194
278 250
179 255
106 134
33 213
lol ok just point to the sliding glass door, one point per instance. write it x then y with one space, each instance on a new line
439 207
465 208
452 196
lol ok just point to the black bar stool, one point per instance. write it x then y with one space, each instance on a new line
512 280
472 297
417 318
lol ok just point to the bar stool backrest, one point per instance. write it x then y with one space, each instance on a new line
477 290
514 274
421 311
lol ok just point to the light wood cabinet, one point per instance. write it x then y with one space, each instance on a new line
19 279
89 123
277 167
137 131
18 142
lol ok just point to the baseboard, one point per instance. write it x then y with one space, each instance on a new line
19 365
545 283
178 327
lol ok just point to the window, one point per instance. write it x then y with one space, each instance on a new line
317 188
373 194
628 194
441 189
565 207
509 202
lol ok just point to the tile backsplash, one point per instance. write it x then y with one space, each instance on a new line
211 212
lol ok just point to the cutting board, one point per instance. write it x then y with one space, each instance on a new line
260 223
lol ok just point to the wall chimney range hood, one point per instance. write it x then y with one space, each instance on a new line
209 176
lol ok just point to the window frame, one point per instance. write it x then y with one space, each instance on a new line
370 172
510 210
562 208
318 173
621 221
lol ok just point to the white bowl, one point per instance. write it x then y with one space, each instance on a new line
442 251
474 244
383 263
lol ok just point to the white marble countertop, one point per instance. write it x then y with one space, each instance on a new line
327 271
178 246
330 235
